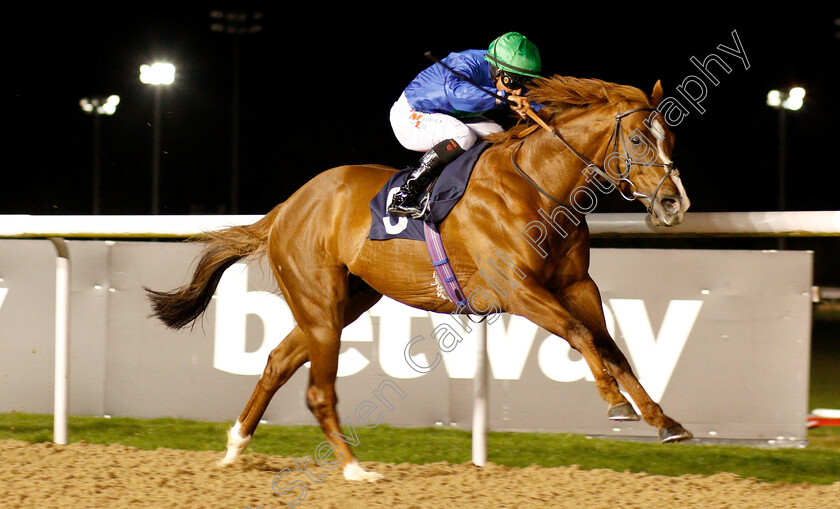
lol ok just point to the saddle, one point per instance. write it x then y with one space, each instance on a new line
445 193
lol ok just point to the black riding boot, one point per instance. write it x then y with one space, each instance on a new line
407 201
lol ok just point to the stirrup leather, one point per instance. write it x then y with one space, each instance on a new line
423 207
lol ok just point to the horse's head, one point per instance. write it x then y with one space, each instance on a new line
639 160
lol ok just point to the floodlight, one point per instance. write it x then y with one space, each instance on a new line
100 106
159 73
791 100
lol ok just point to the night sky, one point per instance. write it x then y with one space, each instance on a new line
316 87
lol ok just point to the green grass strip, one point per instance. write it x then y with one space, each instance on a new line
817 464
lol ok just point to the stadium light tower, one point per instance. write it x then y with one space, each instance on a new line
97 106
158 74
792 100
235 24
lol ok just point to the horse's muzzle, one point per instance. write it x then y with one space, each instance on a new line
669 210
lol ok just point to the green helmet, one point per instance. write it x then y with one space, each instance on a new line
514 54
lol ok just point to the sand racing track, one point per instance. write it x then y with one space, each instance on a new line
82 475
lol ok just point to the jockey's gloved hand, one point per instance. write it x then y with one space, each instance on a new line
519 104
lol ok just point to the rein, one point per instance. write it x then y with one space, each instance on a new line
618 133
530 180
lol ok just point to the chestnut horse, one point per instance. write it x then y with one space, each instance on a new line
330 272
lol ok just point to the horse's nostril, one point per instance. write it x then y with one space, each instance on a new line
670 205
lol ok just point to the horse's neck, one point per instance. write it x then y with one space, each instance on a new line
558 169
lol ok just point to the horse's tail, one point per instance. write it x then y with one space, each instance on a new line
223 248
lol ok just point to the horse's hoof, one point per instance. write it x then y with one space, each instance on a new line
675 433
227 461
355 472
622 412
370 477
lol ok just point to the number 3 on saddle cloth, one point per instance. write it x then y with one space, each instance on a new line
445 193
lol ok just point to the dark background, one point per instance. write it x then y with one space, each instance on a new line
316 84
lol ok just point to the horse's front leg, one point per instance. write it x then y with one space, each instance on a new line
583 301
585 305
546 311
604 358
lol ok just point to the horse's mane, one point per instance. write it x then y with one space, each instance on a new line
559 93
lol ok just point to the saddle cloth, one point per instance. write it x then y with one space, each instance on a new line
446 192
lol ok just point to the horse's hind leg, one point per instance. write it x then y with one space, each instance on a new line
282 363
324 345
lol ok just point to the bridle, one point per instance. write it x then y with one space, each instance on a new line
617 133
615 180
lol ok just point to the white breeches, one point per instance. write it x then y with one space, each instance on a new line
420 131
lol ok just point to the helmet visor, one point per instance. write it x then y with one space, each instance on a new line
511 80
514 81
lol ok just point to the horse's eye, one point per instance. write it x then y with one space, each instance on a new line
635 140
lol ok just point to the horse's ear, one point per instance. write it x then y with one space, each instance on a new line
656 96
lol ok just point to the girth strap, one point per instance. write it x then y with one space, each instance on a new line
442 267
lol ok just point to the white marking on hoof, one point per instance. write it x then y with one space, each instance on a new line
354 472
235 445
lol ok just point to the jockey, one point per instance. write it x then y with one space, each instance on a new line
440 113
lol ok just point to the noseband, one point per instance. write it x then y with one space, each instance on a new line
618 133
615 181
